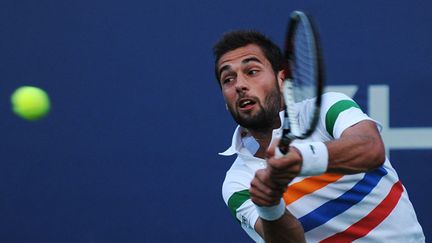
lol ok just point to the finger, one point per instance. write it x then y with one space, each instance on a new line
262 199
265 192
259 200
282 176
272 147
290 162
265 180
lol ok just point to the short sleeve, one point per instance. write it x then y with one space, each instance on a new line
340 112
235 191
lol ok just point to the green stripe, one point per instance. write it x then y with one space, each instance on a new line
335 110
236 200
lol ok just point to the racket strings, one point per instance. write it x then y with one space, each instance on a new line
304 63
304 82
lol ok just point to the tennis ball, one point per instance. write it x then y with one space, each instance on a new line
30 103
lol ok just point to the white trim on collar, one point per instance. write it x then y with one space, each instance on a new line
237 144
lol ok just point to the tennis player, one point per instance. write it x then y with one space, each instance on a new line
335 186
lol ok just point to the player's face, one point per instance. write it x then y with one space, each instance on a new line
250 87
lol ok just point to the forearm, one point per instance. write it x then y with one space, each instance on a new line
286 229
358 150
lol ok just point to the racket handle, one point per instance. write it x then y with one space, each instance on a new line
278 153
283 147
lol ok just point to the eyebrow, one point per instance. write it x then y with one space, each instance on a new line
224 68
251 59
245 61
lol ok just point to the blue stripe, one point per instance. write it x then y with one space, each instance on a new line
339 205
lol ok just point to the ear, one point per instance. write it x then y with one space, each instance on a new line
280 78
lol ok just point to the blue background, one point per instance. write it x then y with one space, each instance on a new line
129 150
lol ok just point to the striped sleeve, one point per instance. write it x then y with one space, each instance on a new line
340 112
235 191
236 200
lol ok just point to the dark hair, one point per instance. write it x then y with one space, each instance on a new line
239 38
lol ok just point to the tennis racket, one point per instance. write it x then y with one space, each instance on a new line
304 78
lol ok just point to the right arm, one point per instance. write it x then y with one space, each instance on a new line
264 192
285 229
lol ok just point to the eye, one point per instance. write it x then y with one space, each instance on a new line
253 72
227 80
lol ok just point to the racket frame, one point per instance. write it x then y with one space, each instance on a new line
291 128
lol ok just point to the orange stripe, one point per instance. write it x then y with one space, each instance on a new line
307 186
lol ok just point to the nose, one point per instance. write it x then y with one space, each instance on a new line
242 84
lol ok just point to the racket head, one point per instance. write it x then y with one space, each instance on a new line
304 76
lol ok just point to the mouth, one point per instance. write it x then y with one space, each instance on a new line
246 104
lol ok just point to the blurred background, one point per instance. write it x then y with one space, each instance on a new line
129 150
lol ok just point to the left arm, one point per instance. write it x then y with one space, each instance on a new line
359 149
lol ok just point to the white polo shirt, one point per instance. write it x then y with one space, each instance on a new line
365 207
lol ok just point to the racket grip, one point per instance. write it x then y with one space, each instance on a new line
278 153
282 148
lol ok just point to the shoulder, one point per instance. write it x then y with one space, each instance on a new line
330 102
338 112
237 179
330 99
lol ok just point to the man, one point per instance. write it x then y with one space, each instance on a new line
353 193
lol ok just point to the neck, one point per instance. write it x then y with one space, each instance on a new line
263 137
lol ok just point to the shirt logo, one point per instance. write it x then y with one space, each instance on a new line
312 148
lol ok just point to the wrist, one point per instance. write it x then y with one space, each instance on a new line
314 156
271 213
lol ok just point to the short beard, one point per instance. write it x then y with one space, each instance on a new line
267 116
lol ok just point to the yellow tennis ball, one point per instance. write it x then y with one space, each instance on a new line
30 103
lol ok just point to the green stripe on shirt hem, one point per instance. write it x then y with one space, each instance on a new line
236 200
335 110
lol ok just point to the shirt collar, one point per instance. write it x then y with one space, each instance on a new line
240 132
